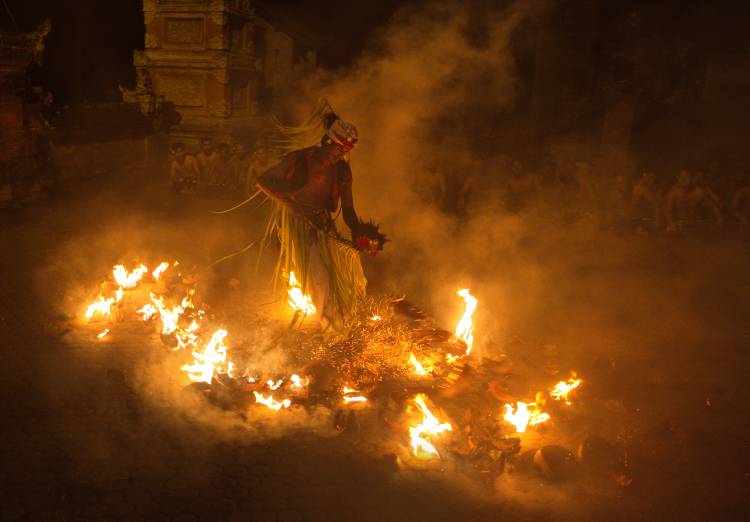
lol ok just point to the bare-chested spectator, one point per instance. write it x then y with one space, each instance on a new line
646 204
262 159
617 204
223 171
521 187
687 204
206 159
741 202
183 170
240 163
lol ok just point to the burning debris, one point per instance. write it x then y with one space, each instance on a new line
391 350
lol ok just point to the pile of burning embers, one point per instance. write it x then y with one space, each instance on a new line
392 375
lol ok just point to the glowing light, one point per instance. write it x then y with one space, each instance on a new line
128 279
560 391
270 402
159 270
524 415
418 368
297 300
103 334
429 427
465 327
101 307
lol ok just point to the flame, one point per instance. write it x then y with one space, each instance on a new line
560 391
270 402
273 386
376 318
156 274
297 381
103 334
430 426
118 294
206 362
148 311
297 300
418 368
128 279
349 396
465 327
101 306
525 415
170 317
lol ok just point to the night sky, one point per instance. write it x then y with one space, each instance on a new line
90 49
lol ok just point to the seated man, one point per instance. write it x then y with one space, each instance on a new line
645 203
240 163
685 201
183 170
206 160
223 171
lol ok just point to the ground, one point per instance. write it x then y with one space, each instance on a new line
659 329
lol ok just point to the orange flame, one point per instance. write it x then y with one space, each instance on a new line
270 402
205 363
103 334
101 306
430 426
560 391
156 274
128 279
349 396
465 327
297 300
418 368
524 415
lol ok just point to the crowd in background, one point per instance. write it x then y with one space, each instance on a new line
220 169
688 201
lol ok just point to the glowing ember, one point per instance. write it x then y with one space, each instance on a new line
376 318
560 391
349 395
101 306
418 368
270 402
103 334
297 300
205 363
429 427
298 382
128 279
274 385
465 327
156 274
524 415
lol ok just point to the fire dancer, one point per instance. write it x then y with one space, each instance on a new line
307 187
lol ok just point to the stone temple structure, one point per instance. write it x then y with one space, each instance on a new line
214 64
